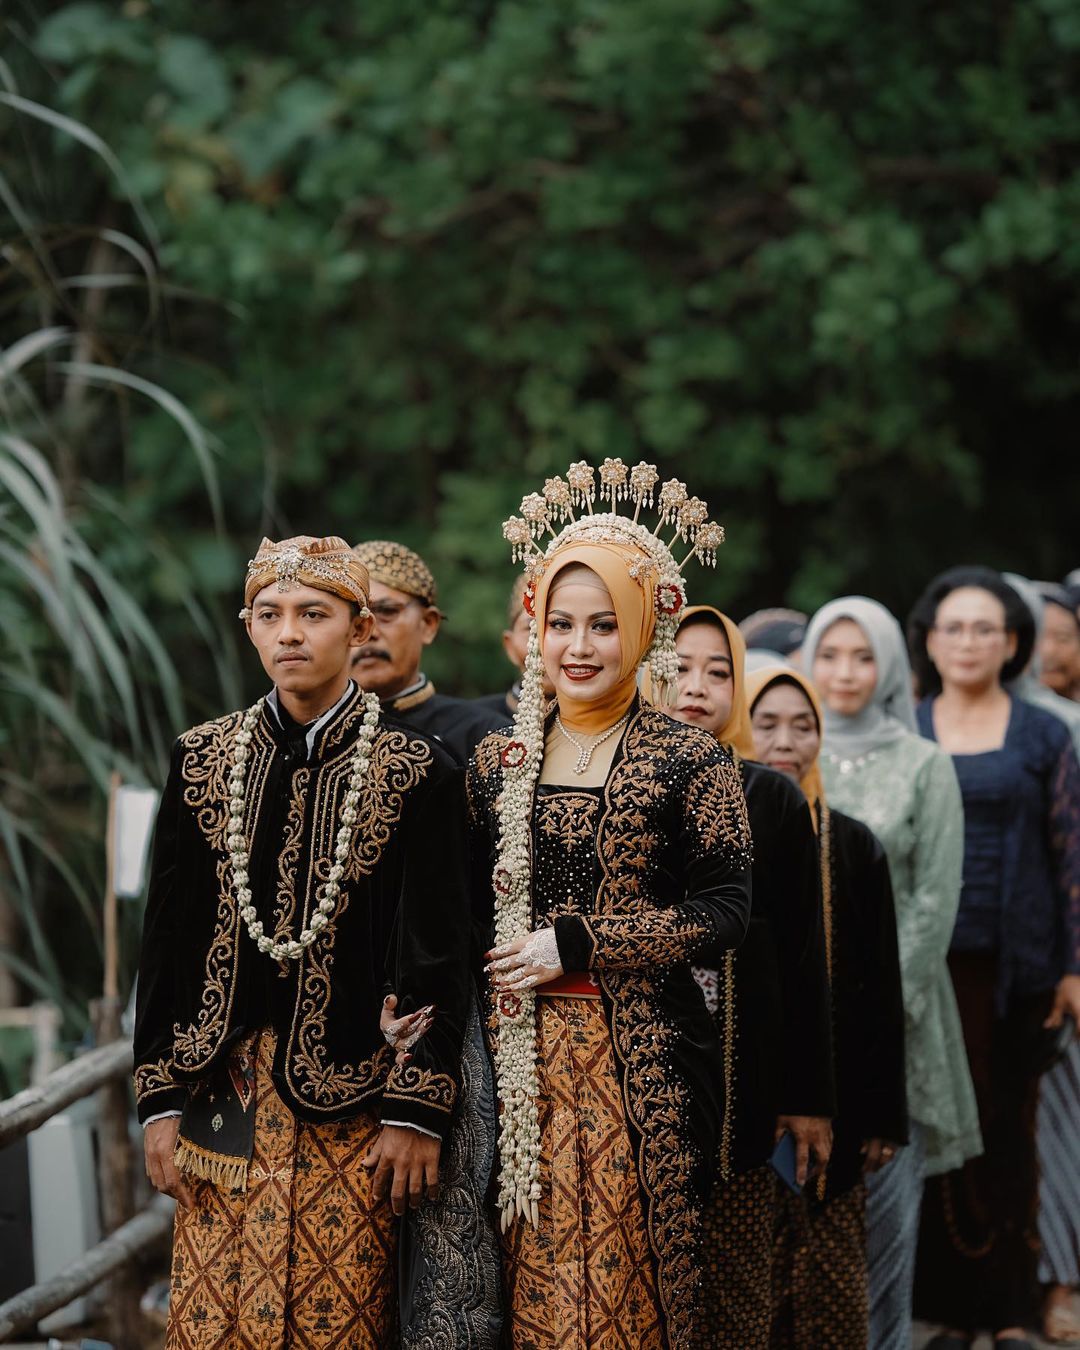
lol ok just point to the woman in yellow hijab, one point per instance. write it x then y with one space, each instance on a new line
618 852
770 999
821 1298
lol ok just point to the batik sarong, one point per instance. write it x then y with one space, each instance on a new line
303 1259
820 1298
584 1279
736 1285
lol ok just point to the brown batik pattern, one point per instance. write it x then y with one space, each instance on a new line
582 1280
820 1292
304 1258
737 1252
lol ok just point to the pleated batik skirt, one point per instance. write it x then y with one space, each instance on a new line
584 1279
304 1258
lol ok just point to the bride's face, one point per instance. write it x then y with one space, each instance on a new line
582 647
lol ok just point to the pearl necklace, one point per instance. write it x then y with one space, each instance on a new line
238 847
585 752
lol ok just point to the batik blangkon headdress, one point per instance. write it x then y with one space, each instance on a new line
327 564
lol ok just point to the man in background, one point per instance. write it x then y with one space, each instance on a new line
407 619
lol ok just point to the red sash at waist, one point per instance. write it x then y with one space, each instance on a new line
579 985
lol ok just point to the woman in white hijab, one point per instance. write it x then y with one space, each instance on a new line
877 768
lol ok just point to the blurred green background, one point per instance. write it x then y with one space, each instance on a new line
376 268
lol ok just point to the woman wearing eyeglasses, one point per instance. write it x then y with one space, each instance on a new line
1015 951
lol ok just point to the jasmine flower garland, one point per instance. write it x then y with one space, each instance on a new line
238 844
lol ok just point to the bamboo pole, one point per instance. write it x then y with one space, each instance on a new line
120 1248
110 919
117 1184
35 1105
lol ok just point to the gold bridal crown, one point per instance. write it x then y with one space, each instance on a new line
571 499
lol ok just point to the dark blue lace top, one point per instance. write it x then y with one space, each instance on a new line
1021 893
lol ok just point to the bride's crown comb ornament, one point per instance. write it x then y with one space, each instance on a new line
564 511
571 499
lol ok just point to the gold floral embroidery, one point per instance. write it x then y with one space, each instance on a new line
207 761
285 910
716 805
656 1099
409 1083
204 769
569 816
487 755
660 937
195 1044
398 764
156 1077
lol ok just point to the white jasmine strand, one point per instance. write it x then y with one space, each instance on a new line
238 847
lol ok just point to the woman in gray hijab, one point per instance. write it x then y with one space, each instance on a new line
878 769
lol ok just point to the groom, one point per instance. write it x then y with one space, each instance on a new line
309 854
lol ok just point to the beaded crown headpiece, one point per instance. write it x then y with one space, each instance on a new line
571 499
328 564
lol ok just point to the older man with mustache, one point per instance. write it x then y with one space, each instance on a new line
404 604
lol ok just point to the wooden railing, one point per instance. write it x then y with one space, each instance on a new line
130 1235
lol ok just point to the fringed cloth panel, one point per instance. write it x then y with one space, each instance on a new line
304 1258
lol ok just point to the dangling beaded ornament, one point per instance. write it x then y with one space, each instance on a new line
571 500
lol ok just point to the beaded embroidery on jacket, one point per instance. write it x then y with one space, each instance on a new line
563 500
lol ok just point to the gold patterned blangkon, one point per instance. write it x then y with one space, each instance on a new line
399 568
328 564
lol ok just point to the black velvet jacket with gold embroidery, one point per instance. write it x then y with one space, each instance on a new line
639 878
401 921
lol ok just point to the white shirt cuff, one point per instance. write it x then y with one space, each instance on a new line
408 1125
161 1115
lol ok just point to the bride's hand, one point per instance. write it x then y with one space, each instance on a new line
526 962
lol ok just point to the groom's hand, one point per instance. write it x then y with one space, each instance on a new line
159 1144
406 1164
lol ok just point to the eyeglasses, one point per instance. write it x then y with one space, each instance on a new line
980 633
389 611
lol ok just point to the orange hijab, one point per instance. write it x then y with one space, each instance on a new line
633 603
757 683
736 731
